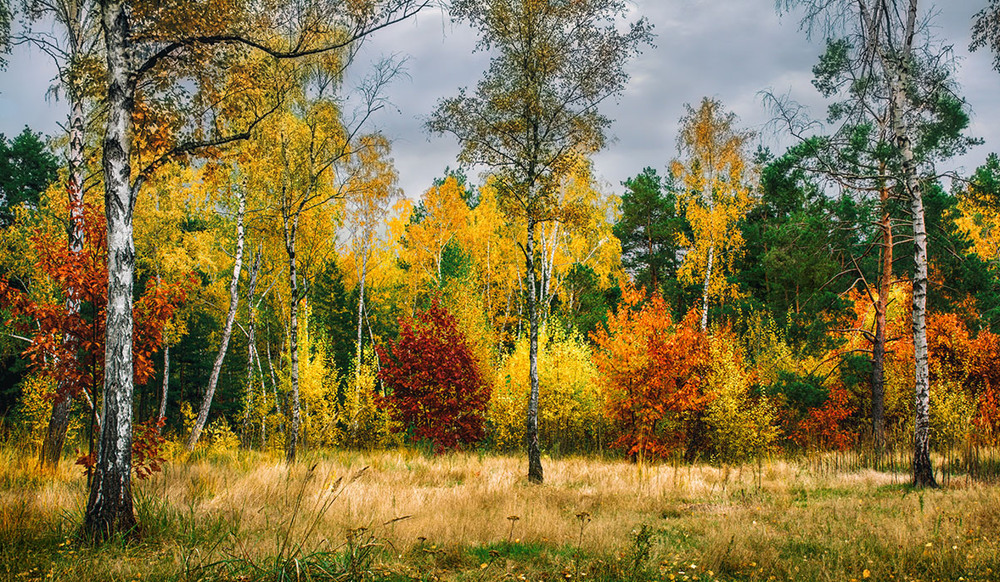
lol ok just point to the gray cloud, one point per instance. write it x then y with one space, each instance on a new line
728 50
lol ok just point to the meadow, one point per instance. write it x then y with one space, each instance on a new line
408 515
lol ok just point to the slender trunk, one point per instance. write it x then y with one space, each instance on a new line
162 413
55 436
535 474
489 279
878 349
654 276
361 302
234 299
293 336
548 270
109 507
923 472
251 341
704 293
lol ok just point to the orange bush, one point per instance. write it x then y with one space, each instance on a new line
655 372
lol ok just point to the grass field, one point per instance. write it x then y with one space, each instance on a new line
403 515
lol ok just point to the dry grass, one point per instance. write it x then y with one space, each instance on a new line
230 515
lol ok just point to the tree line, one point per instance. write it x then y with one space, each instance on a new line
740 302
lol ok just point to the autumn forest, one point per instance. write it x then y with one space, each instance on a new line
215 296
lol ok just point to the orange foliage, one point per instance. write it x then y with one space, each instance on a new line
823 427
68 344
655 370
971 362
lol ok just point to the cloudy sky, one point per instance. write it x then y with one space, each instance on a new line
727 49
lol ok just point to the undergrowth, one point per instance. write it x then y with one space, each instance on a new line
400 515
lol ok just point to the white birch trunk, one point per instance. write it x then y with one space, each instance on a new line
76 18
535 474
234 298
109 507
704 293
251 340
162 413
291 227
361 301
899 67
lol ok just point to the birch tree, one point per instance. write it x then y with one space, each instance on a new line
160 46
887 48
534 111
716 196
370 196
73 44
227 329
310 154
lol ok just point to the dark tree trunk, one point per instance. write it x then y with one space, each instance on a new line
878 349
55 436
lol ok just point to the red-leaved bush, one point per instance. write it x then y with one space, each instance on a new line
433 381
824 427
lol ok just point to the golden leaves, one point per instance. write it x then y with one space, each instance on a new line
716 195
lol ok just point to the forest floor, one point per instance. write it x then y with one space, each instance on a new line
404 515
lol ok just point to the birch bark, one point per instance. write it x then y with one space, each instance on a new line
234 299
109 507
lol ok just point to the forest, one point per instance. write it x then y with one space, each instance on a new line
216 296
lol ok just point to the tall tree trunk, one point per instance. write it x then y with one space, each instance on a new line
361 302
234 299
878 347
654 276
704 293
293 335
535 474
251 344
109 507
161 415
55 436
923 472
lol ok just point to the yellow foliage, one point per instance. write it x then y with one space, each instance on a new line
35 407
360 422
220 437
188 416
584 234
317 390
742 427
982 226
446 215
767 347
570 396
467 307
951 411
715 196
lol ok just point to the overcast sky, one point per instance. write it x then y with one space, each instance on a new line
727 49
